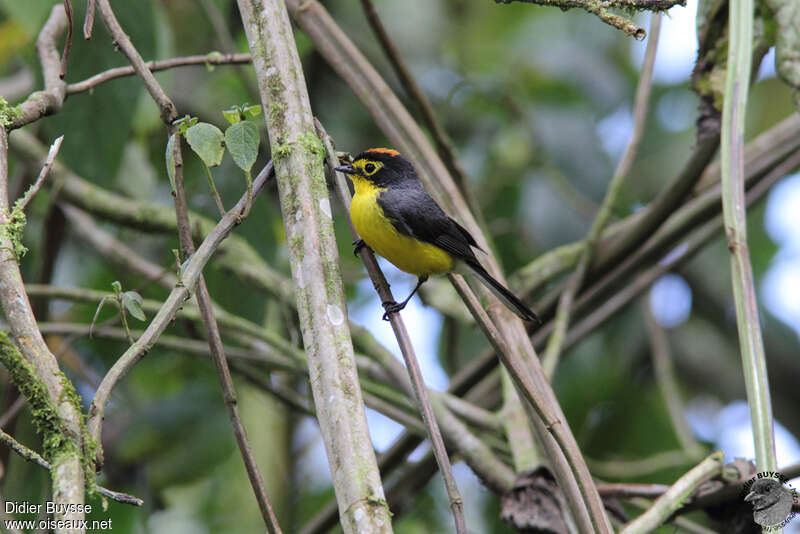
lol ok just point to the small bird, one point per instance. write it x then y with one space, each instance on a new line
399 220
772 502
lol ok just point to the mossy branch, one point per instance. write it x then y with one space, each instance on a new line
602 10
298 155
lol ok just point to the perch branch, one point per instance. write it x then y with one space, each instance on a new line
404 342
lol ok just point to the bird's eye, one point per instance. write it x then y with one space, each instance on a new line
369 168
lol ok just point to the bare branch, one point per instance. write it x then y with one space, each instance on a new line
48 164
440 137
212 58
34 457
69 485
640 107
174 301
50 100
123 42
675 497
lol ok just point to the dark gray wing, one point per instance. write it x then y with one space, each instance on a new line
414 213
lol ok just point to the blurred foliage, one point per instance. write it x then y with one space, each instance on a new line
528 95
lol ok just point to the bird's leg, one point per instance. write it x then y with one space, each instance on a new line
394 307
358 244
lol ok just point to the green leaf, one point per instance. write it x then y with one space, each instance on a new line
253 111
206 140
242 141
171 160
116 286
232 115
133 303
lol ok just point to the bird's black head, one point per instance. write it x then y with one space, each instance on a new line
764 493
381 167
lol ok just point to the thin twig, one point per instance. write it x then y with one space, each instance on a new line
676 495
212 58
668 384
404 341
123 42
12 411
68 43
35 458
88 22
733 209
48 164
169 309
640 107
440 137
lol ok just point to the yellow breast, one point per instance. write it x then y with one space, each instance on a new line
407 254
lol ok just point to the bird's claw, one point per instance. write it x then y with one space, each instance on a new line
391 307
358 244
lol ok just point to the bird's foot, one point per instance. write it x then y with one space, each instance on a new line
358 244
392 307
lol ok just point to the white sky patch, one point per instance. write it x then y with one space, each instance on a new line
615 131
670 300
767 67
781 215
423 324
677 45
781 291
729 429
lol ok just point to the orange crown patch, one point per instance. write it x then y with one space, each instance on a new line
388 151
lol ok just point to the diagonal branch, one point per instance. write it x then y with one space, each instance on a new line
34 457
640 107
404 342
440 137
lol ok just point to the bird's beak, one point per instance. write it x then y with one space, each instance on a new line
347 169
750 496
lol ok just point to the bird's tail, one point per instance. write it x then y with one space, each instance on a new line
506 297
